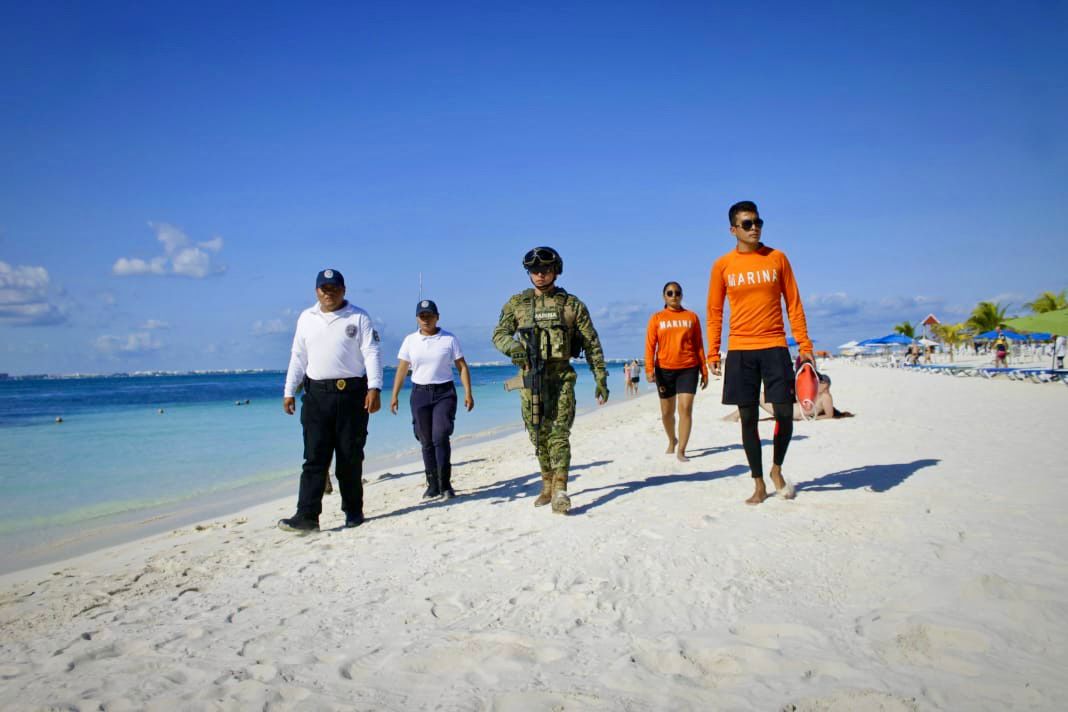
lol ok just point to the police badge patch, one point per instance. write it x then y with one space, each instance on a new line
350 330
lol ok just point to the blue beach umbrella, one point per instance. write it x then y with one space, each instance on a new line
1011 335
894 339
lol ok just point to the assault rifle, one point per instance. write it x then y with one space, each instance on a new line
531 378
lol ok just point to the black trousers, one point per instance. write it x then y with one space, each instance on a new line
335 425
433 417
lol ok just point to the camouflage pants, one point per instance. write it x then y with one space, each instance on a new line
557 416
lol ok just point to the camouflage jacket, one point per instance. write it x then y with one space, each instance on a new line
563 322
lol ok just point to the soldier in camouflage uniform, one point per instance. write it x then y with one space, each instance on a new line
564 328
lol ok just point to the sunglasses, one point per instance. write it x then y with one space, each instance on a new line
673 293
749 224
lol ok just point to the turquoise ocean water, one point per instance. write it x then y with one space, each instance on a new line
116 459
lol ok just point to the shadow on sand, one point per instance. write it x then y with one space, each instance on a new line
620 489
706 451
398 475
504 491
877 478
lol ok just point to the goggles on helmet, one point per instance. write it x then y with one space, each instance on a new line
542 256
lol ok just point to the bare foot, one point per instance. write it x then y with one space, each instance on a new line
681 457
782 486
760 493
671 448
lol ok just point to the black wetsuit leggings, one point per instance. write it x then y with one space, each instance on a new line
784 430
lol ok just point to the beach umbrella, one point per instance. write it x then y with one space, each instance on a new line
1055 322
1039 336
849 345
1010 335
894 339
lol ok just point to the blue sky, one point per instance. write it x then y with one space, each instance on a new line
172 178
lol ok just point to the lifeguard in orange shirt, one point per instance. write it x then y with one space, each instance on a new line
674 358
756 280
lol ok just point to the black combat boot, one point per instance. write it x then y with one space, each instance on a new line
445 476
433 488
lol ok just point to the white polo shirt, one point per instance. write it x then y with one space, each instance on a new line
337 344
431 357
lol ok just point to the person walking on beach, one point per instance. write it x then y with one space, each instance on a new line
635 375
430 353
756 279
626 377
335 358
674 359
541 329
1001 350
1059 349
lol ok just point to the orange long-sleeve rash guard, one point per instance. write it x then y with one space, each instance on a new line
755 283
673 340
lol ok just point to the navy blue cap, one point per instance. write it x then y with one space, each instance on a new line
426 306
329 276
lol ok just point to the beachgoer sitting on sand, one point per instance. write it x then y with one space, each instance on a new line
824 405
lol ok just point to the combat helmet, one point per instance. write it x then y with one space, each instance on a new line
541 256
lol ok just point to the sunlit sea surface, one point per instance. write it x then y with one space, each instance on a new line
135 444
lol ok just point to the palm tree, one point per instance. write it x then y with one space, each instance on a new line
906 329
986 316
1049 301
950 334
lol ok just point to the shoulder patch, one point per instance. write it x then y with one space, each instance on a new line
374 335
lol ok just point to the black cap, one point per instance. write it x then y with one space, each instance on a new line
426 306
329 276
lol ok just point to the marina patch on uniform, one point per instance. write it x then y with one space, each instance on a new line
350 330
546 315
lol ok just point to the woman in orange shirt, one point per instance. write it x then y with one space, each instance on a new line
674 357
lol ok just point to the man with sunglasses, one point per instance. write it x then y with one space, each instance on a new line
559 323
756 279
335 359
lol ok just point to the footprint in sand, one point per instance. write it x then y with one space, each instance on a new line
849 700
902 640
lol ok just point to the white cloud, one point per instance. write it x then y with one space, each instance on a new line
215 244
270 326
124 267
155 324
26 297
136 343
180 257
283 324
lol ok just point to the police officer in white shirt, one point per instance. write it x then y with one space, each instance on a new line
431 352
336 360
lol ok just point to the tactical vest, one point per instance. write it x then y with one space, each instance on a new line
554 316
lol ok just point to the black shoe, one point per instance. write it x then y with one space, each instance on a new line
297 524
353 520
448 493
431 493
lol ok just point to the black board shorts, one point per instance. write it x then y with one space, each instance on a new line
745 370
671 381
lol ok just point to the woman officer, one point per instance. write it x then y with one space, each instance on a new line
430 353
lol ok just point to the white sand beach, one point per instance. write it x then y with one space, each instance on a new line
922 566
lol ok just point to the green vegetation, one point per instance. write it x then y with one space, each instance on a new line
906 329
1048 301
986 316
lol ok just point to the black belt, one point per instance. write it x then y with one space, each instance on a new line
336 385
433 386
